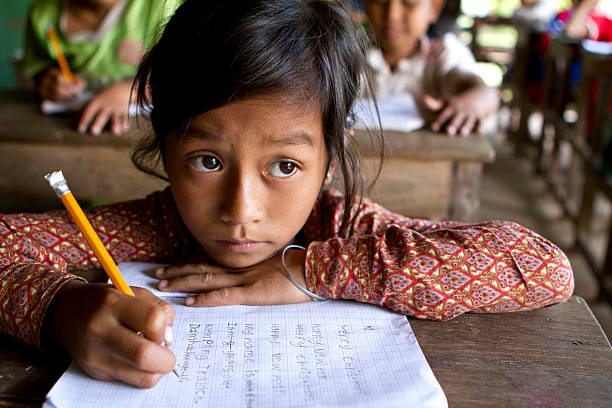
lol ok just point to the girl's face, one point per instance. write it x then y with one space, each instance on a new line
398 24
245 176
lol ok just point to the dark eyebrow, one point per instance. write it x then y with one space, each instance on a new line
299 138
194 133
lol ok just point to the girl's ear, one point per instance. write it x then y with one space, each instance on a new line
436 9
330 173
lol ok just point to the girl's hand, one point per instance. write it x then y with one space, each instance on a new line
113 336
110 106
52 84
263 284
461 114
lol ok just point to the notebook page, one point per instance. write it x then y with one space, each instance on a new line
315 354
398 112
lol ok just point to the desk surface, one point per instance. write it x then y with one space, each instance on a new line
552 357
22 121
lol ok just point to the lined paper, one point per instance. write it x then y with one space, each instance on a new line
315 354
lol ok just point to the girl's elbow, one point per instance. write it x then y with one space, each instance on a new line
565 278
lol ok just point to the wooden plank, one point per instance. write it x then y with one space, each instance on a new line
552 357
408 187
465 191
103 172
412 188
424 144
22 121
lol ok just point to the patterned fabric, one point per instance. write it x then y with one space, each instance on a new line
415 267
433 270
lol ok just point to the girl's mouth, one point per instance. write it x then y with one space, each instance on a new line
241 246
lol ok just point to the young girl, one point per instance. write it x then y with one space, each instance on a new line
250 101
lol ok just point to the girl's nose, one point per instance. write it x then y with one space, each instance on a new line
241 204
395 9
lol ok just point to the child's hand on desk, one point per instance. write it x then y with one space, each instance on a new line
462 114
99 327
110 106
52 84
262 284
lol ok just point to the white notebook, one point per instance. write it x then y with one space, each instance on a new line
315 354
398 113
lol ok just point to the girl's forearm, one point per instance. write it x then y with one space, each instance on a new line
576 26
490 267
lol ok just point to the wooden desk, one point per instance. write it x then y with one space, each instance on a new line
33 144
425 174
552 357
428 174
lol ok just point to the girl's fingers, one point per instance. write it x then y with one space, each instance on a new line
79 83
442 118
138 352
100 121
119 123
149 317
90 111
62 93
455 123
469 125
125 123
169 312
198 282
244 295
219 297
432 103
111 368
170 272
116 123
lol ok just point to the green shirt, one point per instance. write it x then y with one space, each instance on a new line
112 56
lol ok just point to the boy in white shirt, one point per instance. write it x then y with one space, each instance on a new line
439 74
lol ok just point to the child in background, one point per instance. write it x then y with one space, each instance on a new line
535 14
583 21
439 74
249 140
103 41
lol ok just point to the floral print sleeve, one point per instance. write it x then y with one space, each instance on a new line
433 270
37 251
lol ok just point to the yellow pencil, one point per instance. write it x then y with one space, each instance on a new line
60 186
59 54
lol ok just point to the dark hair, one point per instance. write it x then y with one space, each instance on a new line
213 52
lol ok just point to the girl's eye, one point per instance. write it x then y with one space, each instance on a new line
206 163
283 168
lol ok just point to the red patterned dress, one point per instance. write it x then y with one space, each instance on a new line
434 270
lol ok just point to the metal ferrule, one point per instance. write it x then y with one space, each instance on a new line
58 183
